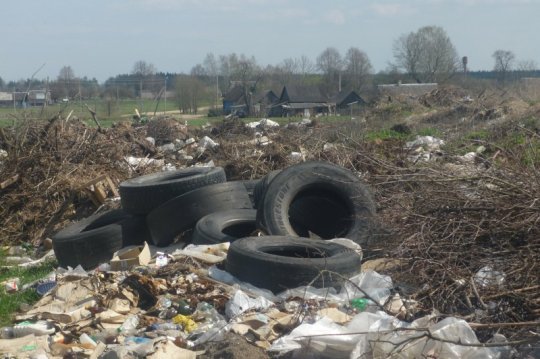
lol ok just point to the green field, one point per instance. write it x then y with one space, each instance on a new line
105 110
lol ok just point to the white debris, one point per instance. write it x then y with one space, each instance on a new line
241 302
329 146
151 140
429 142
487 276
261 141
167 148
207 142
3 154
190 141
296 156
267 123
264 123
143 162
168 167
179 144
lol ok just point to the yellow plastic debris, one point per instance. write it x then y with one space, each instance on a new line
186 322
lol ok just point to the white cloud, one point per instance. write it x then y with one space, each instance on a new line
389 9
335 17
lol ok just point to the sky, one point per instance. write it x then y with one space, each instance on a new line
103 38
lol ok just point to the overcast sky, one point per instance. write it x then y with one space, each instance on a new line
103 38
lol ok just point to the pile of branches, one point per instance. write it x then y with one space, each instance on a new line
49 161
467 235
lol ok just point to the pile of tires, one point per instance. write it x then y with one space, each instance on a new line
296 209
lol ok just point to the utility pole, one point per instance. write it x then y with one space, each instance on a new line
165 93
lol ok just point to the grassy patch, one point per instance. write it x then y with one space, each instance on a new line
11 302
385 134
430 131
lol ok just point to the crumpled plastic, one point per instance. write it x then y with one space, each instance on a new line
241 302
379 335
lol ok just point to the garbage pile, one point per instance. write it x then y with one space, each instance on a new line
175 309
461 232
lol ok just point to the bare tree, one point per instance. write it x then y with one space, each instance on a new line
427 55
329 62
211 68
504 62
189 92
285 71
143 69
247 74
527 65
305 65
357 67
66 78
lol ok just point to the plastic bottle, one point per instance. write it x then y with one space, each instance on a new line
40 327
165 326
359 303
130 325
7 333
87 341
184 308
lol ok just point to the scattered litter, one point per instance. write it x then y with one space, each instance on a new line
489 277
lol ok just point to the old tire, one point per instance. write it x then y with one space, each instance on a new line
182 213
224 226
89 242
317 198
134 228
262 185
250 188
283 262
142 194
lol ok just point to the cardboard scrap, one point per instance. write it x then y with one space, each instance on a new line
129 257
25 346
335 314
170 350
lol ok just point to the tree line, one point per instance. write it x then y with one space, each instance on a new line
425 55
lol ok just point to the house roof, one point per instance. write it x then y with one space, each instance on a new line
234 94
346 97
267 96
301 105
302 94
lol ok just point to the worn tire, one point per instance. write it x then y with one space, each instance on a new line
224 226
317 198
261 186
134 228
142 194
283 262
250 188
89 242
182 213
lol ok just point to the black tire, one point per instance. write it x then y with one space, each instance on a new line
140 195
89 242
224 226
261 186
182 213
282 262
317 198
250 188
134 228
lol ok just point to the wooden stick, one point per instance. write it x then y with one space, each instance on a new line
503 325
94 116
11 180
519 290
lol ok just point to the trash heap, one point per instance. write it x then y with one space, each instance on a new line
459 240
176 308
